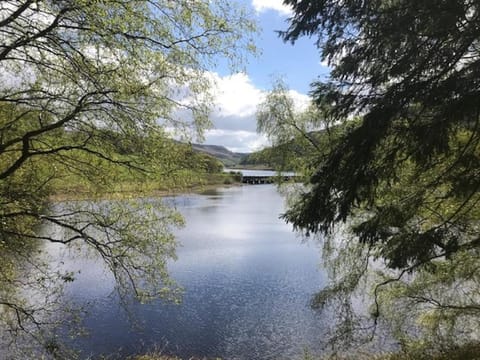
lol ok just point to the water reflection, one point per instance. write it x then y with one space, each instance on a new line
248 280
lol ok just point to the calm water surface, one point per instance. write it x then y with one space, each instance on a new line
248 280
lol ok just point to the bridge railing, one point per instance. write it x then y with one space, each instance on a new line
249 179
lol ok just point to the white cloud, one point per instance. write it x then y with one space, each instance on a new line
236 95
275 5
300 101
324 63
233 116
236 140
234 120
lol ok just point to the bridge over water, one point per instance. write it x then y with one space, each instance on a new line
263 176
265 179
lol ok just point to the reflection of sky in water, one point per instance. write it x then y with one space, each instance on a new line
248 280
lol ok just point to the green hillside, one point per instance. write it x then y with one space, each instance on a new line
227 157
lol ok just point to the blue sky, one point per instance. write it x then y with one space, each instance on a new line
237 95
298 64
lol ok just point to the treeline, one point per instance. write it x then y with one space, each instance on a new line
301 150
137 163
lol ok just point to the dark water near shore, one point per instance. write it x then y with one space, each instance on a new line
248 280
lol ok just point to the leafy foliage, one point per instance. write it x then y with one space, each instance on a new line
405 179
298 136
87 90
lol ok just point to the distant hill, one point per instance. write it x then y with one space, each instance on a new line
227 157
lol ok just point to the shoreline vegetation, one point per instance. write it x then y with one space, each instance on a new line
470 351
146 171
196 182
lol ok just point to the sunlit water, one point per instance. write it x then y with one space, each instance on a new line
248 280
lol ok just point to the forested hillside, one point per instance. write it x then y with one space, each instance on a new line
227 157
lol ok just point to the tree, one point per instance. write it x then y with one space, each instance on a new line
290 130
405 179
77 76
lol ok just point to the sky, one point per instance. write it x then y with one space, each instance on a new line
238 94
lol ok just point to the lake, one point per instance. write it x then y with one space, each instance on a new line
248 281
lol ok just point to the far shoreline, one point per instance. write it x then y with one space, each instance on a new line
138 190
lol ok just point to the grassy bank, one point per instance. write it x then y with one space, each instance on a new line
465 352
129 187
164 357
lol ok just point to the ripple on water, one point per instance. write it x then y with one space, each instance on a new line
248 280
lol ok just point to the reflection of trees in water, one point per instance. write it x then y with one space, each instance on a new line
377 308
30 299
132 238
